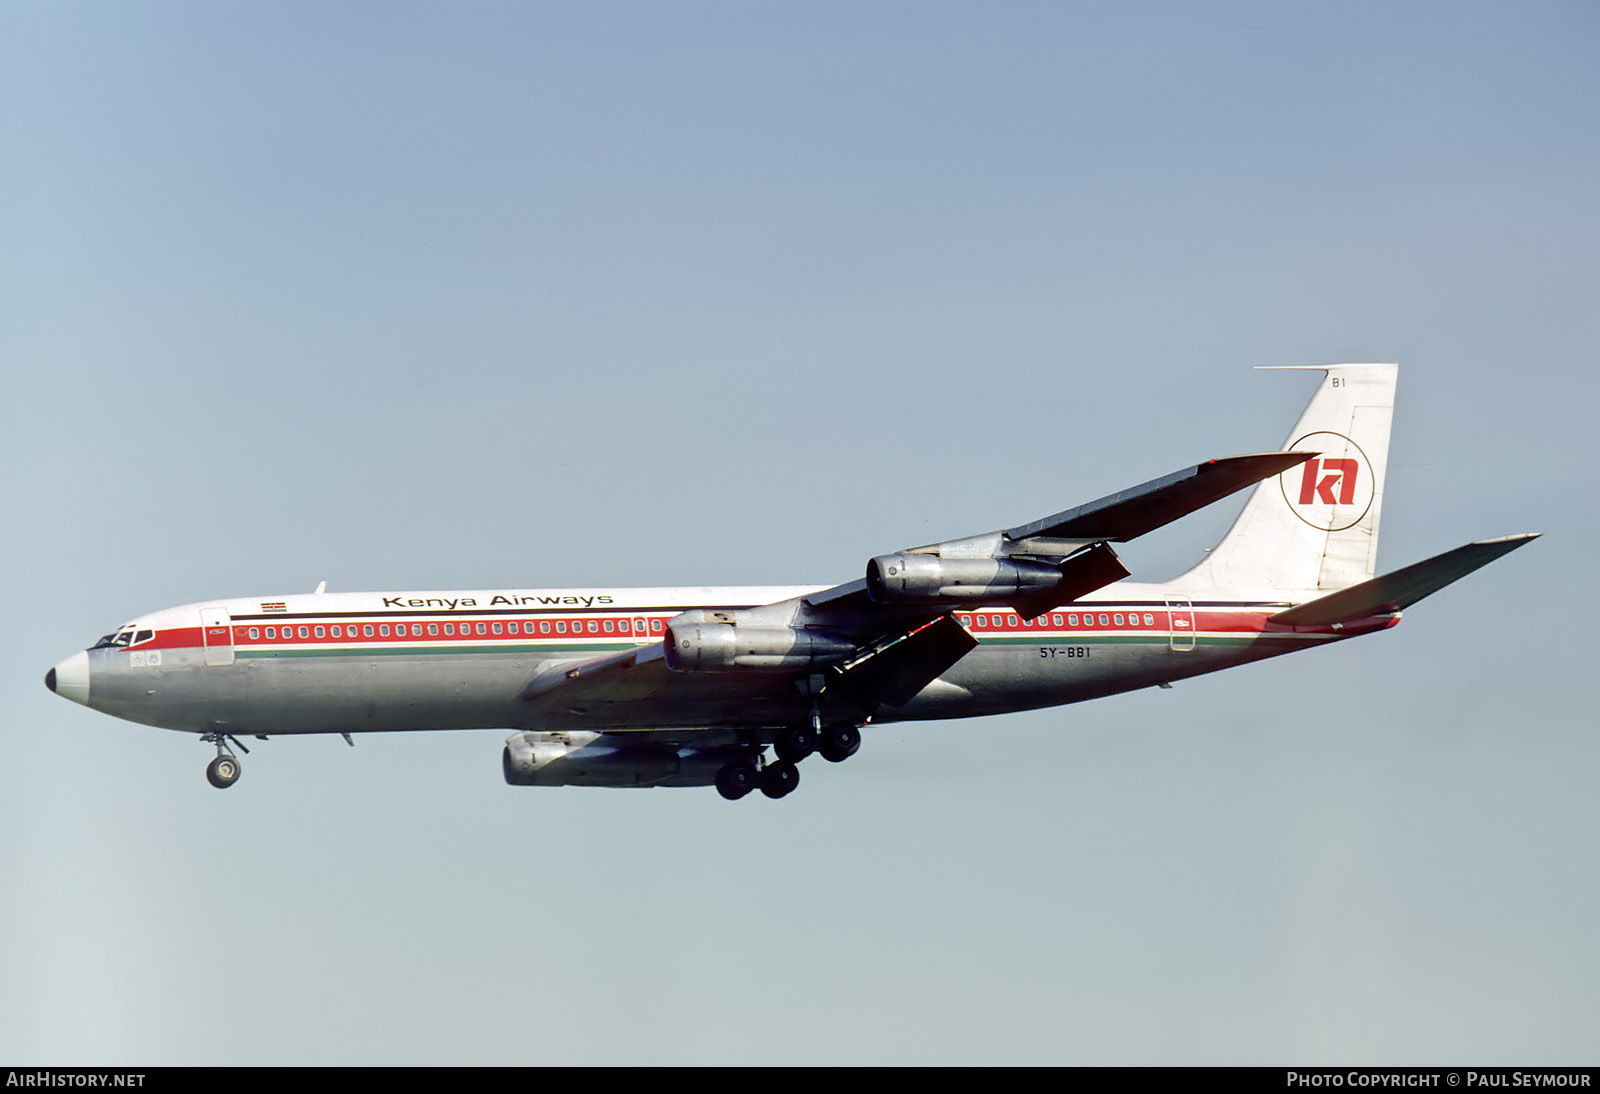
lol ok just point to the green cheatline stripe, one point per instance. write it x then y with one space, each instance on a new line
391 651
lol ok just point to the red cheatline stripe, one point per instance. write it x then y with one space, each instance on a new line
1241 621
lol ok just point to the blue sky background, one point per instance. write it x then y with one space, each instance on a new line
416 296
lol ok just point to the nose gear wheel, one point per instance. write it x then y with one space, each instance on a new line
223 771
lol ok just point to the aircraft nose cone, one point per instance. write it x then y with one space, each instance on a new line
70 679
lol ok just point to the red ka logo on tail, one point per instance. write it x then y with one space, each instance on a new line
1320 478
1329 492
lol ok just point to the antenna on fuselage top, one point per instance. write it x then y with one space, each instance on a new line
322 587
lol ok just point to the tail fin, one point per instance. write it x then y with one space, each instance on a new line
1315 527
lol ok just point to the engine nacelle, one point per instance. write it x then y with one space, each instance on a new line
589 759
907 578
716 641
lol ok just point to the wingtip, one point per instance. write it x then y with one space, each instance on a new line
1277 461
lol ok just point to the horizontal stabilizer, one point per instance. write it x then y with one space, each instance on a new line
1133 512
1401 589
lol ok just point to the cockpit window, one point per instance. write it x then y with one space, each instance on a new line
125 637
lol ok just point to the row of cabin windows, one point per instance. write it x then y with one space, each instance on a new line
1112 619
636 627
383 630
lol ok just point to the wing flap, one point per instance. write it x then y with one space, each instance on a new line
1081 575
892 672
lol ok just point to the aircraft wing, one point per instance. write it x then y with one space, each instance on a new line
1072 541
634 690
878 640
1144 508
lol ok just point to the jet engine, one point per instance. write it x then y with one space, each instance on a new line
588 759
716 641
907 578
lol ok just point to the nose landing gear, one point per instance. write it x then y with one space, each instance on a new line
223 771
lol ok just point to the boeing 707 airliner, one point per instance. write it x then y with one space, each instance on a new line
692 686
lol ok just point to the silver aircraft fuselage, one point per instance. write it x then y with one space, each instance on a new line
350 663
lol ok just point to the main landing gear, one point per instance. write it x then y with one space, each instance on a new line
223 771
837 743
742 776
779 778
